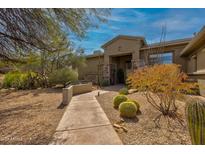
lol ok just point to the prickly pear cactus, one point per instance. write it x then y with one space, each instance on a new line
195 112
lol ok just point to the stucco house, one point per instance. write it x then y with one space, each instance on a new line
126 53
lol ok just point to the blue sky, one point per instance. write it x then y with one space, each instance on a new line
180 23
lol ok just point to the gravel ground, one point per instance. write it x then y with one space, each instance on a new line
29 116
142 129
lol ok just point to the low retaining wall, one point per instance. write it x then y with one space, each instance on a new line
74 90
67 95
82 88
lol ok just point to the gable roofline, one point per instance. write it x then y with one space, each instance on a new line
183 41
196 42
124 37
94 55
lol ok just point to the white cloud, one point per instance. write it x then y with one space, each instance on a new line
177 23
132 16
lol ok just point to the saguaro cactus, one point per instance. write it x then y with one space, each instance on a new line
195 113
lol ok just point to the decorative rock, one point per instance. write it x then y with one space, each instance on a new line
120 128
124 129
12 89
130 91
122 120
58 86
4 90
117 126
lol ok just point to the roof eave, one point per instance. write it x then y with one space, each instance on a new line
124 36
197 41
166 45
94 55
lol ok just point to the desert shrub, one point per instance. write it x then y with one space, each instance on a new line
194 90
120 76
20 80
136 103
128 109
123 91
104 83
161 84
62 76
119 99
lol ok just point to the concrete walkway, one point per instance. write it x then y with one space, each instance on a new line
84 122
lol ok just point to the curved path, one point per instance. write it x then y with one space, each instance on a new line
84 122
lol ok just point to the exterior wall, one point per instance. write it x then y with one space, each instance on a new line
120 47
195 61
120 61
179 60
119 51
191 64
106 69
124 47
201 61
90 72
196 67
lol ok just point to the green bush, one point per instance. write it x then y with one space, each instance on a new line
19 80
104 83
118 100
128 109
123 91
62 76
136 103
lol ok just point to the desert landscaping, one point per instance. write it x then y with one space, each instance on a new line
29 116
142 129
87 77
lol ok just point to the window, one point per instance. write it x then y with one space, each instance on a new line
162 58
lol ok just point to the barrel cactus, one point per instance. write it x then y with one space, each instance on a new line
195 112
128 109
123 91
136 103
118 100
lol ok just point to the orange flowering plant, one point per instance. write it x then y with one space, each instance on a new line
161 85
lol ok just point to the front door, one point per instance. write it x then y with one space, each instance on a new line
113 68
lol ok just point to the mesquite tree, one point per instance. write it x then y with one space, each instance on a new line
161 85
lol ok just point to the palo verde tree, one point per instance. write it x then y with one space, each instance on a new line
40 38
23 30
